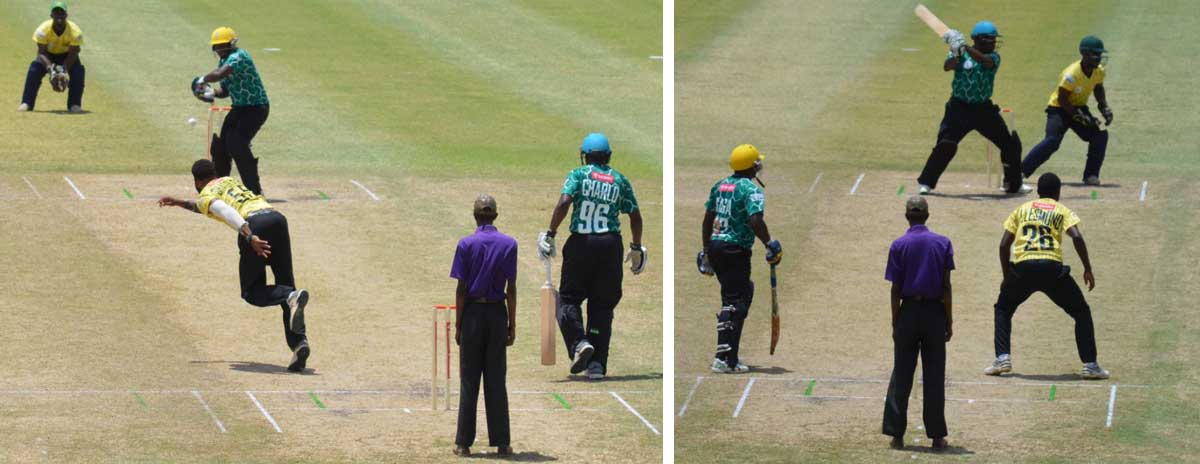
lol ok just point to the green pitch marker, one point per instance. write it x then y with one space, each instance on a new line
1093 194
323 195
901 191
141 401
808 391
316 400
127 194
560 400
1053 390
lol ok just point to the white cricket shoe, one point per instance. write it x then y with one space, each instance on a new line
1023 190
999 366
583 354
297 301
75 109
1093 371
924 189
721 367
595 371
1092 180
23 108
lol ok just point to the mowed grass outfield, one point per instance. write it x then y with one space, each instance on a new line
123 322
851 93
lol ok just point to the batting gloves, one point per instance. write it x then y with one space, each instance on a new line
774 252
546 244
636 258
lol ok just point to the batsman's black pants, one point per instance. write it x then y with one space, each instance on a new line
591 271
269 225
37 70
920 329
731 263
1053 279
959 120
1057 123
484 335
240 126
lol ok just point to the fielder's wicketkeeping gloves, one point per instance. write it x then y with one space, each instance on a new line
58 78
774 252
1108 115
636 258
546 245
703 265
1085 120
202 91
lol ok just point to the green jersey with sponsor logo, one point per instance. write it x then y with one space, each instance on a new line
245 87
972 82
734 199
600 194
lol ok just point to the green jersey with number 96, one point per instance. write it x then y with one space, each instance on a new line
734 200
600 194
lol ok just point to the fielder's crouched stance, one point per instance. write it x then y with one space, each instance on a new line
262 240
733 217
591 268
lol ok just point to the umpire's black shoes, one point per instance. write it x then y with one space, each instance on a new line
299 357
939 444
897 443
462 451
583 354
504 451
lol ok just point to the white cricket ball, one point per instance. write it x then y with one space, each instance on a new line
192 121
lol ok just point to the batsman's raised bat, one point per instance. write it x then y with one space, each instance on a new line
931 20
549 308
774 312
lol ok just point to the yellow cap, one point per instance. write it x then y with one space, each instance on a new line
744 157
223 35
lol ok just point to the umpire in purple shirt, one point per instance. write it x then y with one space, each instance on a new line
919 265
485 265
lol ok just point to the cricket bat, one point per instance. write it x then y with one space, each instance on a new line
549 308
931 20
774 312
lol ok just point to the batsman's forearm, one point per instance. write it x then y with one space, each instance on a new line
1081 248
981 58
759 226
706 228
635 223
560 213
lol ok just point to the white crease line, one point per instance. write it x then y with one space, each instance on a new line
656 57
73 187
815 182
1112 401
634 411
745 393
209 410
1012 384
265 413
303 392
963 400
1145 184
31 187
364 188
691 393
859 181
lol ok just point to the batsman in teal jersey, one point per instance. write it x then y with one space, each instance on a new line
596 195
733 218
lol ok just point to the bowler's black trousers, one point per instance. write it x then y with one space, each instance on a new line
484 338
920 329
269 225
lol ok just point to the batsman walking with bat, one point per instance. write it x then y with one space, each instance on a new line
733 218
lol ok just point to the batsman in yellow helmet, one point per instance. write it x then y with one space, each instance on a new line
733 218
241 83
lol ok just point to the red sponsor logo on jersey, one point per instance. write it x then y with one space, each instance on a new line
602 177
1043 206
727 187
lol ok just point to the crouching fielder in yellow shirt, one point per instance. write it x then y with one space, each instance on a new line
263 241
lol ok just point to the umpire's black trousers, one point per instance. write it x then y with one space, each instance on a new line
920 329
240 126
959 120
269 225
731 263
591 271
484 339
1053 279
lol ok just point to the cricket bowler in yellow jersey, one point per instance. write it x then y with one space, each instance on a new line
1031 261
263 241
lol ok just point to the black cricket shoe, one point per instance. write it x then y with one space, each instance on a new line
583 354
297 301
299 357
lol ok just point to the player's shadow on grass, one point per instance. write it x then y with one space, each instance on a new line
1086 186
1046 377
523 456
613 378
973 196
259 368
773 370
950 450
68 113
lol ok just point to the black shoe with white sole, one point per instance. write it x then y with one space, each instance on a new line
299 357
296 301
583 354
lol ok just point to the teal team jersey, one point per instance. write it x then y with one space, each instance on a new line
734 200
245 87
972 82
600 194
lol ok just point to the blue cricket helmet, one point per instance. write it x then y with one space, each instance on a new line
595 142
984 28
